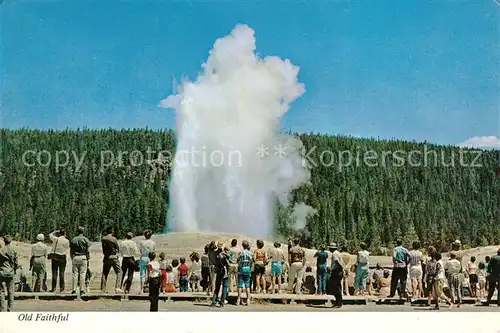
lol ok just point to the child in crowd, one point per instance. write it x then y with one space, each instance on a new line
486 264
195 277
384 284
309 286
163 271
183 276
481 278
170 280
175 272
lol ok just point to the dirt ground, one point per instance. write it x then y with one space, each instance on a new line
176 245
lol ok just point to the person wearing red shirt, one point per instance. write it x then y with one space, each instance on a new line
183 275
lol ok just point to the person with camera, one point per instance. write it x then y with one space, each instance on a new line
58 258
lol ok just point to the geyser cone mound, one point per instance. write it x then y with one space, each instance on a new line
232 162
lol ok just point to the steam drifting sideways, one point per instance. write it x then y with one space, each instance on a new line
231 161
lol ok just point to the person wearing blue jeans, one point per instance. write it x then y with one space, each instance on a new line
362 266
222 277
321 266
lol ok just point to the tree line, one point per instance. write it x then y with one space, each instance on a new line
363 189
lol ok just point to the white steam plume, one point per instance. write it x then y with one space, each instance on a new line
221 182
301 212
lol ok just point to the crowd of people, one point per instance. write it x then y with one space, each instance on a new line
223 268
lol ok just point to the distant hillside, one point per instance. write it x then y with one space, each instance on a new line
419 191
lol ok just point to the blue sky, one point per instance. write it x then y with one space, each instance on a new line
395 69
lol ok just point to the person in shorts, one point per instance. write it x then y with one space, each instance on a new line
260 260
244 271
277 258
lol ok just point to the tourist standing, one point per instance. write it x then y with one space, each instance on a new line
183 274
195 270
471 272
481 279
128 251
233 265
438 276
400 258
416 272
456 249
110 250
494 278
205 270
453 269
486 264
362 270
244 271
260 260
337 271
153 277
321 265
58 258
212 258
8 267
297 260
38 262
145 246
430 269
80 255
345 258
277 258
222 274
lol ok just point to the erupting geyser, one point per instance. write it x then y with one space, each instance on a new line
232 162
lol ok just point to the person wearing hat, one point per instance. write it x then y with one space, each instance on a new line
38 260
8 270
456 249
459 255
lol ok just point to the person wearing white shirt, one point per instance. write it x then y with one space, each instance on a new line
154 281
58 257
437 288
145 247
128 251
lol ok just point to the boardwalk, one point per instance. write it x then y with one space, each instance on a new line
203 297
